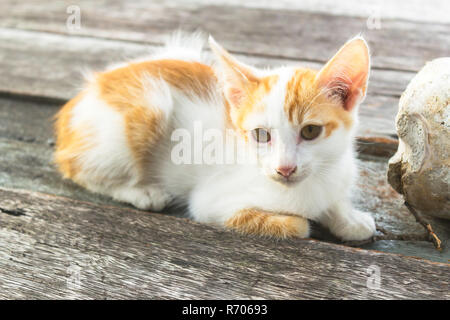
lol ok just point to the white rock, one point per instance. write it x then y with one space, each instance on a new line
420 170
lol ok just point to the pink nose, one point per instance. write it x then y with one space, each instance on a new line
286 171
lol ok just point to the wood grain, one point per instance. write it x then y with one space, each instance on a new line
398 44
434 11
123 253
47 242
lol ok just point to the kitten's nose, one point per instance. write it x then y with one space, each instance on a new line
286 171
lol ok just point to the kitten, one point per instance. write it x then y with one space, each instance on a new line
121 136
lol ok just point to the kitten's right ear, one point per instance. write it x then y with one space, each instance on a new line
237 78
346 74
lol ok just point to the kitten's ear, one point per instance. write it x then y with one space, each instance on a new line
345 75
236 77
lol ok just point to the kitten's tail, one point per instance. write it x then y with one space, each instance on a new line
182 45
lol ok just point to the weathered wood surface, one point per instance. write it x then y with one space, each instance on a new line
123 253
26 144
413 10
280 33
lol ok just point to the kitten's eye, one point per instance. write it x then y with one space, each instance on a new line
261 135
311 132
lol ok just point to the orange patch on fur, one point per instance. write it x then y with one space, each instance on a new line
125 90
305 101
252 102
143 128
254 221
123 87
70 142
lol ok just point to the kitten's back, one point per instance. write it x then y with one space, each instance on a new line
107 136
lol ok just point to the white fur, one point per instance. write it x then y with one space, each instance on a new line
107 137
215 192
182 46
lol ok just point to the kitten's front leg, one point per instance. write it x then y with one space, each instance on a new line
255 221
348 223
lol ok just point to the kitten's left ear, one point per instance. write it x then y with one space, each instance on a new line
345 75
236 77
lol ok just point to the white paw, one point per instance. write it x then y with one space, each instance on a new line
159 199
359 226
149 198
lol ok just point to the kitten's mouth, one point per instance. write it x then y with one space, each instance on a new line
292 180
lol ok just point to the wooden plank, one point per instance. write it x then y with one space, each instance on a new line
60 248
25 148
55 72
434 11
70 56
398 44
25 162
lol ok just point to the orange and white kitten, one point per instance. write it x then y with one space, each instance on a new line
121 136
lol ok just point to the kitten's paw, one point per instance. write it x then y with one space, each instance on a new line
360 226
303 230
254 221
159 199
149 198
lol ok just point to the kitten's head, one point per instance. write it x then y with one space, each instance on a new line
297 121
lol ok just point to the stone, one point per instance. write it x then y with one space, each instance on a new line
420 168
